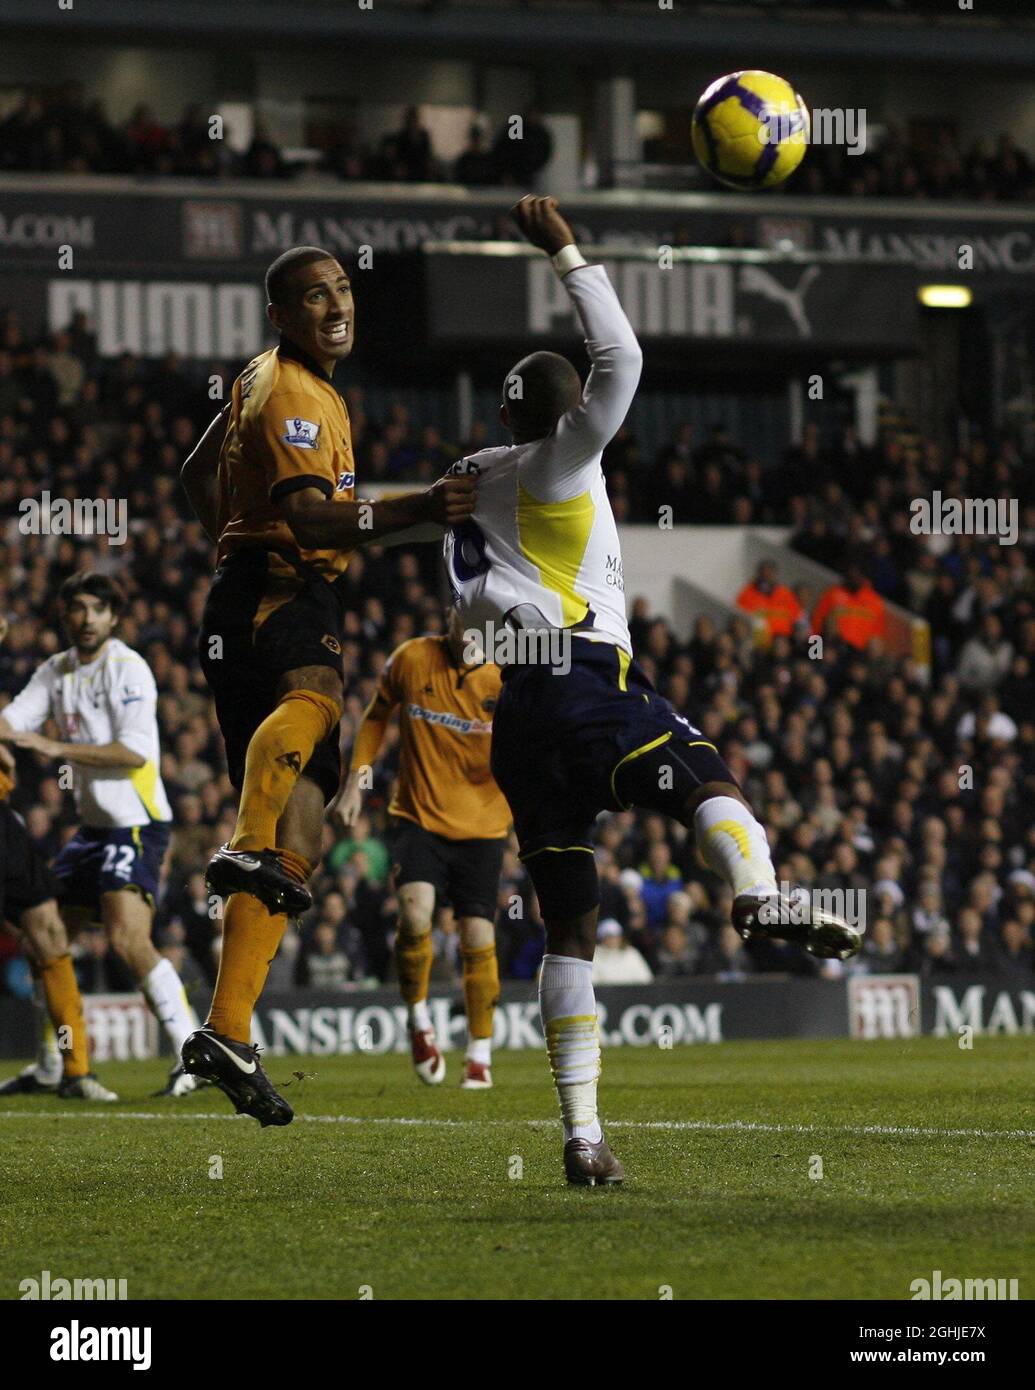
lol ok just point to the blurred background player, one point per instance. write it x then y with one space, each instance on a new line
28 902
452 828
775 603
583 730
102 696
273 483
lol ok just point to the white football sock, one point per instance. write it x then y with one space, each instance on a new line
420 1016
49 1066
480 1050
164 992
568 1009
734 844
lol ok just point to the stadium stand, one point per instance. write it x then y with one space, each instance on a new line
61 131
867 777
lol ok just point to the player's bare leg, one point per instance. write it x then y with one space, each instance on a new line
308 709
413 956
567 1006
481 995
221 1051
127 917
734 844
63 1065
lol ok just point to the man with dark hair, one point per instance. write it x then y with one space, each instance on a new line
103 698
579 728
99 586
273 483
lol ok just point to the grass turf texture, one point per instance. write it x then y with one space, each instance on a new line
320 1209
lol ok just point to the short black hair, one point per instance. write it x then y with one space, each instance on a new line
97 586
538 391
280 272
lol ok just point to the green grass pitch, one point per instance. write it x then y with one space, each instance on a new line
927 1156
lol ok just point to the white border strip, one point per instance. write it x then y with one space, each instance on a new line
431 1122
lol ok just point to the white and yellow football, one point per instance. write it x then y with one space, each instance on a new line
750 129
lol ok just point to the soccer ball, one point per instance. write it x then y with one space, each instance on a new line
750 129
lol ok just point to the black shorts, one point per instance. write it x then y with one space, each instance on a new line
25 879
464 873
264 617
567 745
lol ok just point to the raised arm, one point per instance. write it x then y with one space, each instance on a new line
614 353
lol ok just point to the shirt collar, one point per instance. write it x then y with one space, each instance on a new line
294 353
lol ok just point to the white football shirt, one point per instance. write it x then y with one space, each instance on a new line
543 538
111 699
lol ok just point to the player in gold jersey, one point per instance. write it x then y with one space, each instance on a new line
452 828
273 483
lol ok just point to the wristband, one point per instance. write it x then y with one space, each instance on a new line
568 258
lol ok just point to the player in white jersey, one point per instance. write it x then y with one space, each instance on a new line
102 696
578 728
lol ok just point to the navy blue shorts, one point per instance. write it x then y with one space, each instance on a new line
599 738
105 861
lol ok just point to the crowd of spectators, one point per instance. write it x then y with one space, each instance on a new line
866 777
937 166
65 132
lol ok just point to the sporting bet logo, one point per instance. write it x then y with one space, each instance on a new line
121 1028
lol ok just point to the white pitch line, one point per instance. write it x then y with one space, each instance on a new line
431 1122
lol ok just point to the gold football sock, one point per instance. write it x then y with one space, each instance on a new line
65 1006
413 957
251 936
481 990
279 749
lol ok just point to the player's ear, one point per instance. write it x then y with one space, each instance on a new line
273 314
504 417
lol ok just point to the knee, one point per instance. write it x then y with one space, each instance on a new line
476 933
44 933
414 921
321 679
707 792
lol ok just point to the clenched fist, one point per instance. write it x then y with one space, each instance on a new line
542 224
451 500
